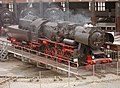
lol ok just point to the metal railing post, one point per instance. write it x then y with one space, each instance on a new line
93 72
117 68
9 83
40 79
22 54
69 74
117 63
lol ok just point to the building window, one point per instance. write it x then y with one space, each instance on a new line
63 6
91 6
11 7
101 6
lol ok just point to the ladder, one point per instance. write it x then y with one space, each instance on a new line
3 52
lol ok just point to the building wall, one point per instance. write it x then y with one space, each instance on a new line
110 5
78 5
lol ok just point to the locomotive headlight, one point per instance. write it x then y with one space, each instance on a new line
108 55
2 27
75 60
93 57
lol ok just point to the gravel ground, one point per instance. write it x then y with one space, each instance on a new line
14 67
49 83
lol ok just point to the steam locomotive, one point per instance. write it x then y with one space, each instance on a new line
63 39
6 17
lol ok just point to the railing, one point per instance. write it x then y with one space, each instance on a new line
43 55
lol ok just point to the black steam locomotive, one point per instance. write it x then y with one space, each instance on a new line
6 17
63 39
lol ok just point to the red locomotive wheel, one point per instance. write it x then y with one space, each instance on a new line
66 61
46 50
53 53
67 55
60 55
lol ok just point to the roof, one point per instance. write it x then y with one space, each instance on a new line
24 1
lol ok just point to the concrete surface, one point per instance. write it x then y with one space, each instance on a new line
15 67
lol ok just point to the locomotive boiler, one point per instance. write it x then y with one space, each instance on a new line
63 39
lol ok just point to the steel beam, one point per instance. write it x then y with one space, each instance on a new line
118 16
